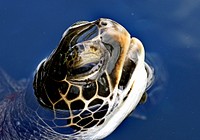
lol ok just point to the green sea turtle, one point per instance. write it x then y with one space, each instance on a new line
83 90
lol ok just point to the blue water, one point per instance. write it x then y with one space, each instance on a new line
31 29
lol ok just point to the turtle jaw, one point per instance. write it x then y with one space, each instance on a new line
114 35
132 93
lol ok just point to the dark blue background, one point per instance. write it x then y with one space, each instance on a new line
170 31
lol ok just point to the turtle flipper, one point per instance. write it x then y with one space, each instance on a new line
150 76
144 98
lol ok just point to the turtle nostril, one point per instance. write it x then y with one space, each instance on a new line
103 23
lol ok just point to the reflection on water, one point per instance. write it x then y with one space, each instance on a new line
161 76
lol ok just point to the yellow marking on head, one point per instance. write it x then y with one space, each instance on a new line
137 46
123 37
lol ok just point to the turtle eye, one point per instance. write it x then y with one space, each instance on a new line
84 69
84 61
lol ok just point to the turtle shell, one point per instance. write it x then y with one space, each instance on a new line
92 75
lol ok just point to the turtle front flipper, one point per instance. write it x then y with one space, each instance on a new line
144 98
150 76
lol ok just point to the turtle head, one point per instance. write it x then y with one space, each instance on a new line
85 52
96 72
